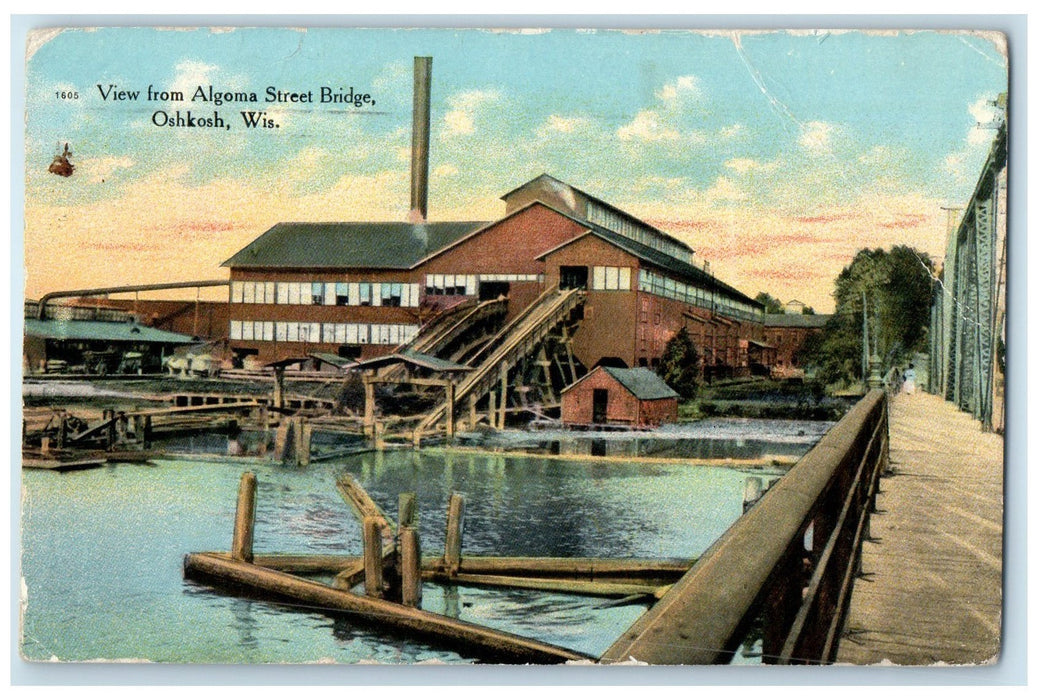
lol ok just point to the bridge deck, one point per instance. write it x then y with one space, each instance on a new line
932 585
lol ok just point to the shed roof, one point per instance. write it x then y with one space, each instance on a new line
642 382
415 359
393 245
101 330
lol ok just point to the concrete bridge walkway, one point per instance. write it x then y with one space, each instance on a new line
931 589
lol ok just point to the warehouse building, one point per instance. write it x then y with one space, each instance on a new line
363 289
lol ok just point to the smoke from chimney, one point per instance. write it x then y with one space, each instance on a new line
420 139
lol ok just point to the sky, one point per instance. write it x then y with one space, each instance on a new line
775 155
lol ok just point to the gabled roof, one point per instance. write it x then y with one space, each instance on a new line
642 382
656 258
393 245
556 183
101 330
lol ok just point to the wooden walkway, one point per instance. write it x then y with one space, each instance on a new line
931 590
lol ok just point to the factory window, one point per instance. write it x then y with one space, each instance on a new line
364 294
292 331
235 330
317 293
363 333
236 292
249 296
390 294
342 294
611 278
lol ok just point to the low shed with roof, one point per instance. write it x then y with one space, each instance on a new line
619 396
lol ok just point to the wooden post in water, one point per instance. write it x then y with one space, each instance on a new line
450 409
406 510
304 433
503 404
372 536
369 406
455 526
472 411
410 567
279 387
751 492
146 430
108 415
281 440
244 518
492 409
45 446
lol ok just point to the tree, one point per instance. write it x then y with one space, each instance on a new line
896 288
679 364
772 305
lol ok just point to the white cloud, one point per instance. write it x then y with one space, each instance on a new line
983 113
446 170
745 165
730 132
460 120
816 136
647 125
684 86
99 169
189 75
557 124
724 190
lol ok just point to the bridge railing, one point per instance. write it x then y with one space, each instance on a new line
788 564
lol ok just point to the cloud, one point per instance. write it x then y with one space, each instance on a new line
816 136
685 87
465 107
746 165
724 190
648 126
730 132
983 113
97 170
445 170
557 124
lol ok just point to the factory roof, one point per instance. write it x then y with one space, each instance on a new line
391 245
101 330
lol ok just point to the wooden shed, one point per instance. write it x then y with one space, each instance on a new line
619 396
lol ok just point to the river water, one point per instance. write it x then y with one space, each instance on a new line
103 550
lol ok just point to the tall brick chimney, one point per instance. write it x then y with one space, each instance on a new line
420 139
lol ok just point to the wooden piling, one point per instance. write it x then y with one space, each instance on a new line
304 435
410 567
472 411
751 492
369 406
244 518
281 441
455 526
372 534
503 404
450 410
406 511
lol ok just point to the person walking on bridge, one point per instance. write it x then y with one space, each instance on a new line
909 384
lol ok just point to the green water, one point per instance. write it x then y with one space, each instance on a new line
103 550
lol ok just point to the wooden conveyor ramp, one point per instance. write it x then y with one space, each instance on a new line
522 336
447 327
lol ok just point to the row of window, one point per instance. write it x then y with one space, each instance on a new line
326 293
618 223
311 332
467 285
663 286
611 278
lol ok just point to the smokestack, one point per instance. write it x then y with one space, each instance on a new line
420 139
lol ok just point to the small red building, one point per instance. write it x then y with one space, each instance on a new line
613 395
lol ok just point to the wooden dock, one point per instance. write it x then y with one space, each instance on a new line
931 590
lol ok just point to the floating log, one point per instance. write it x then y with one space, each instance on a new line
362 504
244 518
483 642
560 585
619 570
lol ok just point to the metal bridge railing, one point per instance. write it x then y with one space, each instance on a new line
789 563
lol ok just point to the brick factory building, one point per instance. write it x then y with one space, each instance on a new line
787 333
363 289
609 395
